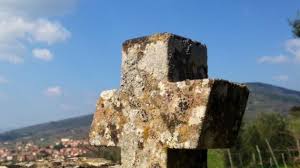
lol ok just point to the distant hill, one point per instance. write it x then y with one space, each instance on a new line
263 98
77 127
269 98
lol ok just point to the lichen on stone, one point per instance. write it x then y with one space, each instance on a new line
166 102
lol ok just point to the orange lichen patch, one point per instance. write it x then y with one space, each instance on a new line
143 41
159 37
146 133
184 132
152 134
122 121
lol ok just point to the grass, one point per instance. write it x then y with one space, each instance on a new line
295 126
215 158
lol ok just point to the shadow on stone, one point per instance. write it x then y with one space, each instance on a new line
112 153
225 110
187 158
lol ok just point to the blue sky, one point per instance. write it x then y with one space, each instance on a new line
57 56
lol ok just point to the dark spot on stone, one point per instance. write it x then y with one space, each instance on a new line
55 164
140 55
118 108
143 115
102 132
140 145
155 165
134 103
183 105
113 132
171 121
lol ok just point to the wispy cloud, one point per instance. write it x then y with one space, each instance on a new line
293 47
53 91
42 54
25 23
273 59
11 52
281 78
3 80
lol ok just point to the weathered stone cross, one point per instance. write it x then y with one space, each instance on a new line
167 112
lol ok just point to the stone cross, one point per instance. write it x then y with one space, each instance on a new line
167 113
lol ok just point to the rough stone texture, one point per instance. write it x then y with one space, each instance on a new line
165 104
165 57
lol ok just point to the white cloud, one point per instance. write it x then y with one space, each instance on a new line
17 32
49 32
293 47
273 59
17 29
37 8
53 91
43 54
3 80
281 78
24 24
11 52
11 58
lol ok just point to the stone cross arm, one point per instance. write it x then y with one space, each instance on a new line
185 115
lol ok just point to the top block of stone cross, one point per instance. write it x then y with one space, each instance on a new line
165 56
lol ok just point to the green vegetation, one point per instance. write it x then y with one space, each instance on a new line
272 128
278 130
296 25
216 158
294 121
295 112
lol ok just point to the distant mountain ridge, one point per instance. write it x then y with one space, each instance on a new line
269 98
263 98
76 127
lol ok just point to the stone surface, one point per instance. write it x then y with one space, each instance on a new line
164 56
196 114
166 103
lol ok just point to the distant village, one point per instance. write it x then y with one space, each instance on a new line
61 150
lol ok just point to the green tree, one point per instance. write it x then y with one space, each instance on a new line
296 25
268 126
295 111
